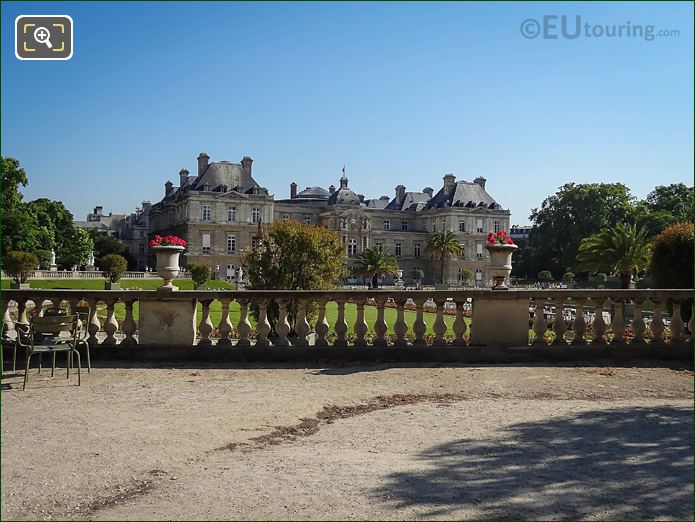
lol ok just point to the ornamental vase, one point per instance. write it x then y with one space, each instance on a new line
500 264
167 265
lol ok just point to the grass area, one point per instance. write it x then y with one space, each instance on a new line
126 284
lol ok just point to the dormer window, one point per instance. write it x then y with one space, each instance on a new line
206 187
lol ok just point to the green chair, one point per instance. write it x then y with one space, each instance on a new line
82 332
44 336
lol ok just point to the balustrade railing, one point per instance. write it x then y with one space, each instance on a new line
93 274
377 317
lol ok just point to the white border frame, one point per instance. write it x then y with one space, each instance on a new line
72 36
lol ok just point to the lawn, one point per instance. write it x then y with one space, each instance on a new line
216 306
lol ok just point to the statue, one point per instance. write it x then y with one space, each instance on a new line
240 275
91 259
53 267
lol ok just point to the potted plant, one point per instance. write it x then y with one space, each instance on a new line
20 266
501 248
199 274
167 248
113 266
418 275
568 279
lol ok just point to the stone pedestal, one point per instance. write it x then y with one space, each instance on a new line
502 322
167 321
90 268
52 268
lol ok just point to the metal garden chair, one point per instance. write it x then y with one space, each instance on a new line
44 337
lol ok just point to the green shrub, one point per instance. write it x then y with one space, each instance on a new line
113 266
672 257
545 275
44 257
20 265
418 274
568 277
199 273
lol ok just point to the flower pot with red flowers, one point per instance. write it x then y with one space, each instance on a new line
167 249
501 248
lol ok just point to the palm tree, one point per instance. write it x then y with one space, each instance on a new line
441 245
622 251
374 263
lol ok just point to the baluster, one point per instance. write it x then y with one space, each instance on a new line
638 324
55 304
341 326
657 325
439 326
559 326
22 312
360 327
540 326
7 324
282 327
94 325
459 324
677 325
301 327
380 326
419 326
129 326
690 322
400 327
225 326
263 326
321 328
110 325
244 327
579 324
618 323
598 328
205 326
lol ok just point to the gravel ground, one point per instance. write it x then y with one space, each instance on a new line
352 442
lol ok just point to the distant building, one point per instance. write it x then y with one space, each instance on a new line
103 223
218 212
133 230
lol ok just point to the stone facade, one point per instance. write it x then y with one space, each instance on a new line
219 210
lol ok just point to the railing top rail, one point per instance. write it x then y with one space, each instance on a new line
551 294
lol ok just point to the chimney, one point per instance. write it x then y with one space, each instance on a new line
429 191
331 189
246 162
361 196
480 181
168 187
449 182
183 177
203 160
400 193
293 190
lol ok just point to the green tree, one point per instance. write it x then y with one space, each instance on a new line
622 250
441 245
568 277
672 258
114 266
575 212
77 249
545 276
18 229
418 274
465 275
675 199
44 257
294 256
375 264
20 265
12 177
199 273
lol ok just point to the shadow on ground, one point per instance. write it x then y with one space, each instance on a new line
630 463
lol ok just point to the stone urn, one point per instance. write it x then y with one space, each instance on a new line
500 264
167 265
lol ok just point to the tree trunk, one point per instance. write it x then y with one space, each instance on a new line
443 257
375 281
625 278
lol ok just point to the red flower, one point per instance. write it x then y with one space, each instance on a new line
509 241
501 234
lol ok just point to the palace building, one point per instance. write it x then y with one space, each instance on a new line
219 209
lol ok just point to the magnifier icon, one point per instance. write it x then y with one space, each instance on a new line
43 35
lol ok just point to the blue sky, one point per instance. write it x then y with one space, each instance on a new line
401 93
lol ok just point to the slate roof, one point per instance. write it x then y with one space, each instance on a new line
463 194
412 201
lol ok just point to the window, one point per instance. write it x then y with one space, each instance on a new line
352 247
478 274
231 243
285 217
254 242
206 243
479 250
462 225
443 225
231 214
497 226
399 249
434 225
307 220
207 213
462 276
463 250
255 215
387 224
379 245
479 225
142 250
404 225
416 249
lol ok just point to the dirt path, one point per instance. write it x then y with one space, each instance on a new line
352 442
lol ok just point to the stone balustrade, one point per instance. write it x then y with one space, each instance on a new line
540 318
86 274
